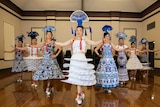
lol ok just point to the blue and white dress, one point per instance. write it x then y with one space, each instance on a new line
33 61
80 72
144 57
49 68
19 65
107 73
122 60
145 60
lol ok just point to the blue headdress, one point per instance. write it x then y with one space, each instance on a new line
133 39
33 34
20 38
49 29
144 41
107 28
121 35
79 16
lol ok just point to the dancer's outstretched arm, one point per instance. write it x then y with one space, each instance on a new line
90 42
67 43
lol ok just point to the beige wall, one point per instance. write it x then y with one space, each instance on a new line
63 28
153 34
16 22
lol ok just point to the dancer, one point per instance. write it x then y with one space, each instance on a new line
133 62
107 73
144 56
49 68
19 64
33 60
122 59
80 72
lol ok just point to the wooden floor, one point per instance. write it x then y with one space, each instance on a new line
143 92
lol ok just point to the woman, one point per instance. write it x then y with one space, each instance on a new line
133 62
33 60
19 64
80 72
122 59
107 73
144 56
49 68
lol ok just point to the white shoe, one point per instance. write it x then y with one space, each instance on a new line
109 91
19 80
34 85
48 92
79 101
82 95
121 83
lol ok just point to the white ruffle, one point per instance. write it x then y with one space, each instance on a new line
80 72
77 82
133 63
32 57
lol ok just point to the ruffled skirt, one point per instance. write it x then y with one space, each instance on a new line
48 69
19 65
80 72
133 63
107 73
32 63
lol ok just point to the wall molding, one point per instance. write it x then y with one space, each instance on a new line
135 15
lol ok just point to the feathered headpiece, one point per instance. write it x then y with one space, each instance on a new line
33 35
144 41
79 16
20 38
49 29
133 39
107 28
121 35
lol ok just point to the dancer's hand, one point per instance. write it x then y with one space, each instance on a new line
100 55
53 56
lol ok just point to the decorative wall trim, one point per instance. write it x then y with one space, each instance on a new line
5 70
156 58
21 12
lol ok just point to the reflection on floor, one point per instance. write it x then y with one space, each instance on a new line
144 92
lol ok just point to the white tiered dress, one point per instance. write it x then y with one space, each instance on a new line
133 62
80 72
33 61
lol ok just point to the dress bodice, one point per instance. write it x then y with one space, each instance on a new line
133 52
78 45
33 51
48 49
144 57
121 53
19 54
107 51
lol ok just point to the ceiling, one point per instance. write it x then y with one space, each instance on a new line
86 5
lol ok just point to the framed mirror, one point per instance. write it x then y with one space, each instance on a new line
130 32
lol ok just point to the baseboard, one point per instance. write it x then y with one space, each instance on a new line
157 69
5 70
